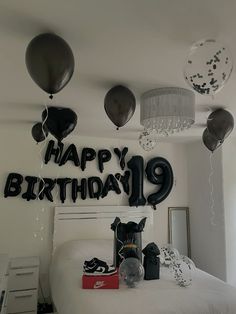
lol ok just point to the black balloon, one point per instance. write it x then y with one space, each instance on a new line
91 182
104 155
136 165
82 188
220 124
59 121
13 184
29 194
53 151
70 154
88 154
210 141
124 180
119 105
62 182
110 184
39 132
50 62
164 179
121 156
45 188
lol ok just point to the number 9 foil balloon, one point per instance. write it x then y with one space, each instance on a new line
208 66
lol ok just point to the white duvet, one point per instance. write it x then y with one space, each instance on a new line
206 295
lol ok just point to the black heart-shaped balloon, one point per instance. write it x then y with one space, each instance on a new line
59 121
119 105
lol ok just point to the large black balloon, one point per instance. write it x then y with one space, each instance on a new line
220 124
164 179
59 121
136 165
119 105
210 141
50 62
39 132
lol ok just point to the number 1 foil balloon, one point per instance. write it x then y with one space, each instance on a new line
208 66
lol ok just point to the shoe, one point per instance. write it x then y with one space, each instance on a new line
93 262
99 267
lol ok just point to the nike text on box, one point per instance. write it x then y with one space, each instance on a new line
100 282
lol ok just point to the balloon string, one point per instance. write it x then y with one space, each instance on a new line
122 243
41 151
42 146
55 204
211 185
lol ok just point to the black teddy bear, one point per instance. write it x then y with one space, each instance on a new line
151 262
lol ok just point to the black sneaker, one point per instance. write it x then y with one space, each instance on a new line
99 269
93 262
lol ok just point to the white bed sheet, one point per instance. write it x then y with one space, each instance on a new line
206 295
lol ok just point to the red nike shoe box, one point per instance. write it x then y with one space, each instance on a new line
100 282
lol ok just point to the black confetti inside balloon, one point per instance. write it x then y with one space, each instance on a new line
208 67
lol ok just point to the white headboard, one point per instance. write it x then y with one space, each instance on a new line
93 222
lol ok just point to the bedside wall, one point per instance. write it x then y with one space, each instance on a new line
18 223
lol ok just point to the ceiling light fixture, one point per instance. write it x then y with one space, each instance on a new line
167 110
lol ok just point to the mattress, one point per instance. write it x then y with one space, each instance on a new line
207 294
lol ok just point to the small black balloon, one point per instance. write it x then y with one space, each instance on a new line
59 121
50 62
39 132
220 124
119 105
210 141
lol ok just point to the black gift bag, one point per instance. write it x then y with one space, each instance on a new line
151 262
127 233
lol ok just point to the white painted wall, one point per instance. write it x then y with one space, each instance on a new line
207 239
229 185
18 217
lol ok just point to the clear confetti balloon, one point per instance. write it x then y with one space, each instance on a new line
131 271
208 66
168 254
182 272
147 140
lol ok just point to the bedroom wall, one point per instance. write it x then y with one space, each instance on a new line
229 185
207 238
20 220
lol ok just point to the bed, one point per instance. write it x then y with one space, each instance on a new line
72 245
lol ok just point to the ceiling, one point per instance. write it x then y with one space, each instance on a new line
142 44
